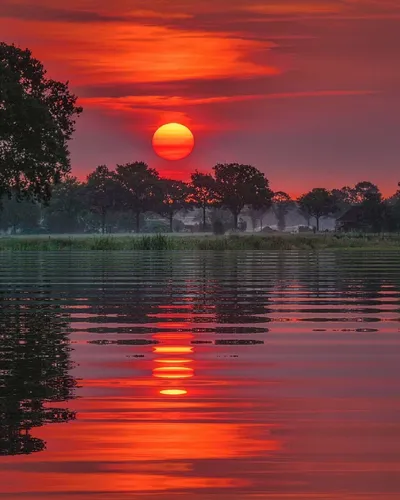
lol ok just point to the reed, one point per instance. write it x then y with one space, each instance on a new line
203 242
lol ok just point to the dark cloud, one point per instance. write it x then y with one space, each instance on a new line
194 88
36 12
234 16
31 12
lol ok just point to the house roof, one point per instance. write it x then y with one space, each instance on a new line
353 214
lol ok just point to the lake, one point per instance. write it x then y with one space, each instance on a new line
229 375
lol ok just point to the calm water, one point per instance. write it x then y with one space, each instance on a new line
200 375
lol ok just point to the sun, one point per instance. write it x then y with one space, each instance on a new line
173 141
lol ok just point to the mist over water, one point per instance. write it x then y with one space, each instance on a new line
237 375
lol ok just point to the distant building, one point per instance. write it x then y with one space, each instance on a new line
352 220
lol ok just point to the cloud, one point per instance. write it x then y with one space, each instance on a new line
49 13
28 11
182 15
141 53
133 103
291 8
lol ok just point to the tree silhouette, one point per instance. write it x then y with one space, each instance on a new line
344 199
373 209
318 203
173 198
239 185
102 191
34 355
19 215
203 193
365 190
65 213
37 119
373 213
256 215
140 188
281 204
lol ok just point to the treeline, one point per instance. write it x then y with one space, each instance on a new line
135 198
38 194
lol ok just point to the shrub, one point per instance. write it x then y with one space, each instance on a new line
242 225
218 227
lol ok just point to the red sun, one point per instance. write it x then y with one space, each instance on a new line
173 141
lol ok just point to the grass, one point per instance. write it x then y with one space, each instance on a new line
201 242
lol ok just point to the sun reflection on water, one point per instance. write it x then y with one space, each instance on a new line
171 369
173 392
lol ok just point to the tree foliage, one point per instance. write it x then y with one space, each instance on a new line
364 191
281 205
65 213
102 191
373 208
318 203
203 193
37 119
19 216
240 185
348 196
373 213
140 188
173 198
344 198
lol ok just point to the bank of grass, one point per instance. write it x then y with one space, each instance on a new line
202 242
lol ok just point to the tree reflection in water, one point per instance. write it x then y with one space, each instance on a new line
34 371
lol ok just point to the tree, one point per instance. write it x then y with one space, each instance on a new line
242 225
395 215
373 213
348 196
203 192
345 198
140 188
373 208
392 211
318 203
37 119
366 195
66 211
239 185
19 215
254 216
281 205
221 215
174 197
305 214
102 192
365 190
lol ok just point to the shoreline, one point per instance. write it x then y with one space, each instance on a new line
199 242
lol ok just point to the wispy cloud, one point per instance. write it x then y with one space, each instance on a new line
141 53
284 8
133 103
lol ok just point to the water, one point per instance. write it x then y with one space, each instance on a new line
199 375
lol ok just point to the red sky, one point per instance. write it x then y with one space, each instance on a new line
307 91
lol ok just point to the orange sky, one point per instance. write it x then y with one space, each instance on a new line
307 91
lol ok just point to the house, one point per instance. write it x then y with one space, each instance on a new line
352 220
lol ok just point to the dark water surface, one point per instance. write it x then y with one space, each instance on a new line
200 375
